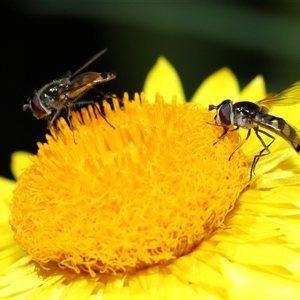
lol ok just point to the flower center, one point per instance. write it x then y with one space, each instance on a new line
109 200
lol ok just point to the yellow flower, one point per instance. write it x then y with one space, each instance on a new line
159 165
9 250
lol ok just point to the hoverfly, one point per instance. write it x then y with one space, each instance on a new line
65 93
250 115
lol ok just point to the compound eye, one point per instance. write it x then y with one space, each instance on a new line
37 108
224 114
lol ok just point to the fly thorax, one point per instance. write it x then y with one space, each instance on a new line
49 91
242 121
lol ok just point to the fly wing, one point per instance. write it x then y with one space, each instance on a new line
288 96
92 78
83 82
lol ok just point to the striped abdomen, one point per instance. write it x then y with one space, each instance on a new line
281 128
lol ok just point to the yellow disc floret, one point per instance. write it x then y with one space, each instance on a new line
149 190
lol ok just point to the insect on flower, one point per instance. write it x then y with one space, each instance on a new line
65 93
250 115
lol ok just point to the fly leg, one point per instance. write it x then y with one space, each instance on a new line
69 117
94 105
111 96
235 129
241 144
221 137
261 153
54 117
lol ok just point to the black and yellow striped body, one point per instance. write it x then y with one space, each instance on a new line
281 128
255 117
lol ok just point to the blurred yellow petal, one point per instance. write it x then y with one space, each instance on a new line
280 168
254 91
19 162
253 284
217 87
9 250
6 191
163 79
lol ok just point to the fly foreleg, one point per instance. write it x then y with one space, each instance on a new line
241 144
52 118
221 137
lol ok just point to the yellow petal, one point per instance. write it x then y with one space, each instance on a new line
281 167
6 188
79 289
9 250
217 87
163 79
244 283
19 162
254 91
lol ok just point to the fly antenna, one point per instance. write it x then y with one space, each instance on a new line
89 61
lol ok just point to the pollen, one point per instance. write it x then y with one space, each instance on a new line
142 192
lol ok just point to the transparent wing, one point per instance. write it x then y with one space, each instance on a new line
92 77
288 96
83 82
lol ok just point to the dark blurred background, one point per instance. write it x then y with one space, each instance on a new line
40 40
